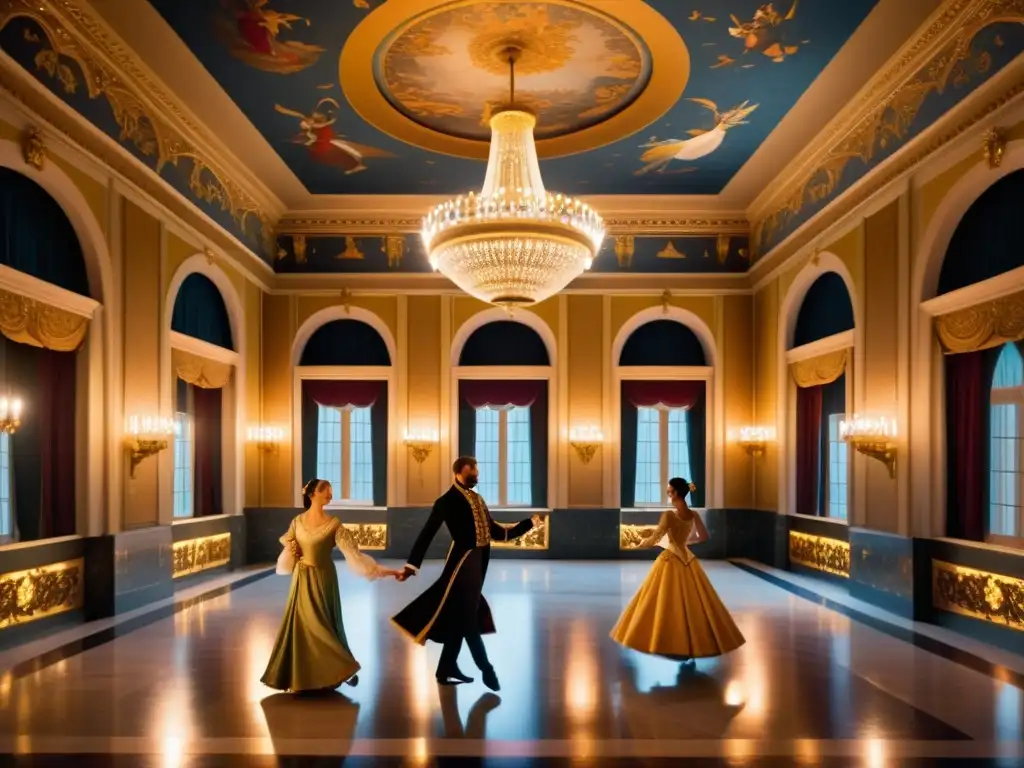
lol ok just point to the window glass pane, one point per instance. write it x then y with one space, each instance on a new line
517 454
678 444
1004 471
360 456
6 512
836 469
328 447
1009 368
183 473
648 457
487 454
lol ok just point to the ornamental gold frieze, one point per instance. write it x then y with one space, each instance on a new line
36 593
371 536
32 322
536 538
820 553
978 594
632 536
881 120
200 554
153 123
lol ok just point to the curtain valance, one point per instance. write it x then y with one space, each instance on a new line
670 394
479 393
342 393
820 370
982 326
28 321
200 371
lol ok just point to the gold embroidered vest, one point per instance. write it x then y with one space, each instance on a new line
480 516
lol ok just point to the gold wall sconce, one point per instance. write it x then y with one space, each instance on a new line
10 414
420 444
753 440
874 437
146 436
266 439
585 441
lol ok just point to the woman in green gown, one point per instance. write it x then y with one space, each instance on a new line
311 652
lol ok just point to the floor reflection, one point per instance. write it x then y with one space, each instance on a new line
476 721
322 716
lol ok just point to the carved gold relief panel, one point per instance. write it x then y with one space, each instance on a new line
535 538
36 593
200 554
372 536
820 553
631 536
978 594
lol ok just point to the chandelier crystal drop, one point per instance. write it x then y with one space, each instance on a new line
514 244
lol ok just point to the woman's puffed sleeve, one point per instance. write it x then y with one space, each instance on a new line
358 562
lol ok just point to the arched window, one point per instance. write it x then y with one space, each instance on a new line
1006 445
344 370
503 375
821 375
203 356
663 412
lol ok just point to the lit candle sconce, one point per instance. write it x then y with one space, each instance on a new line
754 439
420 443
585 441
10 414
146 436
874 437
266 439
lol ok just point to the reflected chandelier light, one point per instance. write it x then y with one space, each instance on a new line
515 243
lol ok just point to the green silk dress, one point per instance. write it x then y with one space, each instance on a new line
311 652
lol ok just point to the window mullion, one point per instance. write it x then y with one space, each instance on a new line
1019 501
503 457
663 451
346 449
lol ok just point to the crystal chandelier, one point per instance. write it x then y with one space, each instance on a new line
514 244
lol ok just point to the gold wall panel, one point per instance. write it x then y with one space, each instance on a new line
632 536
820 553
978 594
36 593
373 536
535 538
201 554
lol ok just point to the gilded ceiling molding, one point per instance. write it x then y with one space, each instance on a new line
151 121
883 114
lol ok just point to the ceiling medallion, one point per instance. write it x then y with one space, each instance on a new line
514 244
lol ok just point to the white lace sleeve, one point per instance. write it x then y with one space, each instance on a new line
358 562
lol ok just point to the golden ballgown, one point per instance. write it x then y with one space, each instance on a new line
311 651
676 612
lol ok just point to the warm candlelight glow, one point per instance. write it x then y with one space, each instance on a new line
10 414
421 436
588 434
150 426
265 434
867 428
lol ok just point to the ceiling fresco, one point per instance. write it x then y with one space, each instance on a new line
662 97
404 254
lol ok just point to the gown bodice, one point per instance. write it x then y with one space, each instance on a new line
318 543
675 533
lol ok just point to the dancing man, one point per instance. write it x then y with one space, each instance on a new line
452 609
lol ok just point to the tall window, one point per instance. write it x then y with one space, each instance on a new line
662 452
1006 469
503 456
6 507
184 453
344 452
836 471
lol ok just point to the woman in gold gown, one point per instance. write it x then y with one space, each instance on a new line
676 612
311 652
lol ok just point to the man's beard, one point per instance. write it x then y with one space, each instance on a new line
470 482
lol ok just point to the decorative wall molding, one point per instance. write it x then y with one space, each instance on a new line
203 349
36 593
978 594
200 554
43 292
820 553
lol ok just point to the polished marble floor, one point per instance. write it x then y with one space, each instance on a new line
814 685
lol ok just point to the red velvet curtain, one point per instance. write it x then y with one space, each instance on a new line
207 405
967 394
671 394
340 393
808 449
56 399
481 394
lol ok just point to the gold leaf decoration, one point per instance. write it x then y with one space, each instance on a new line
199 371
978 594
372 536
28 321
535 538
632 536
36 593
820 553
982 326
820 370
200 554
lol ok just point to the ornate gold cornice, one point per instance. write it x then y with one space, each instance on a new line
329 226
147 115
881 114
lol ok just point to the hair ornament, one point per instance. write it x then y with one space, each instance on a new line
693 487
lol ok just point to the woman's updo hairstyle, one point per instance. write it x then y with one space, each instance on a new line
681 487
308 490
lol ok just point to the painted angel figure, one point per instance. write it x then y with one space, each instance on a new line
660 154
325 146
251 31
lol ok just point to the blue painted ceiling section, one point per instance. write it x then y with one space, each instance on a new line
783 60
